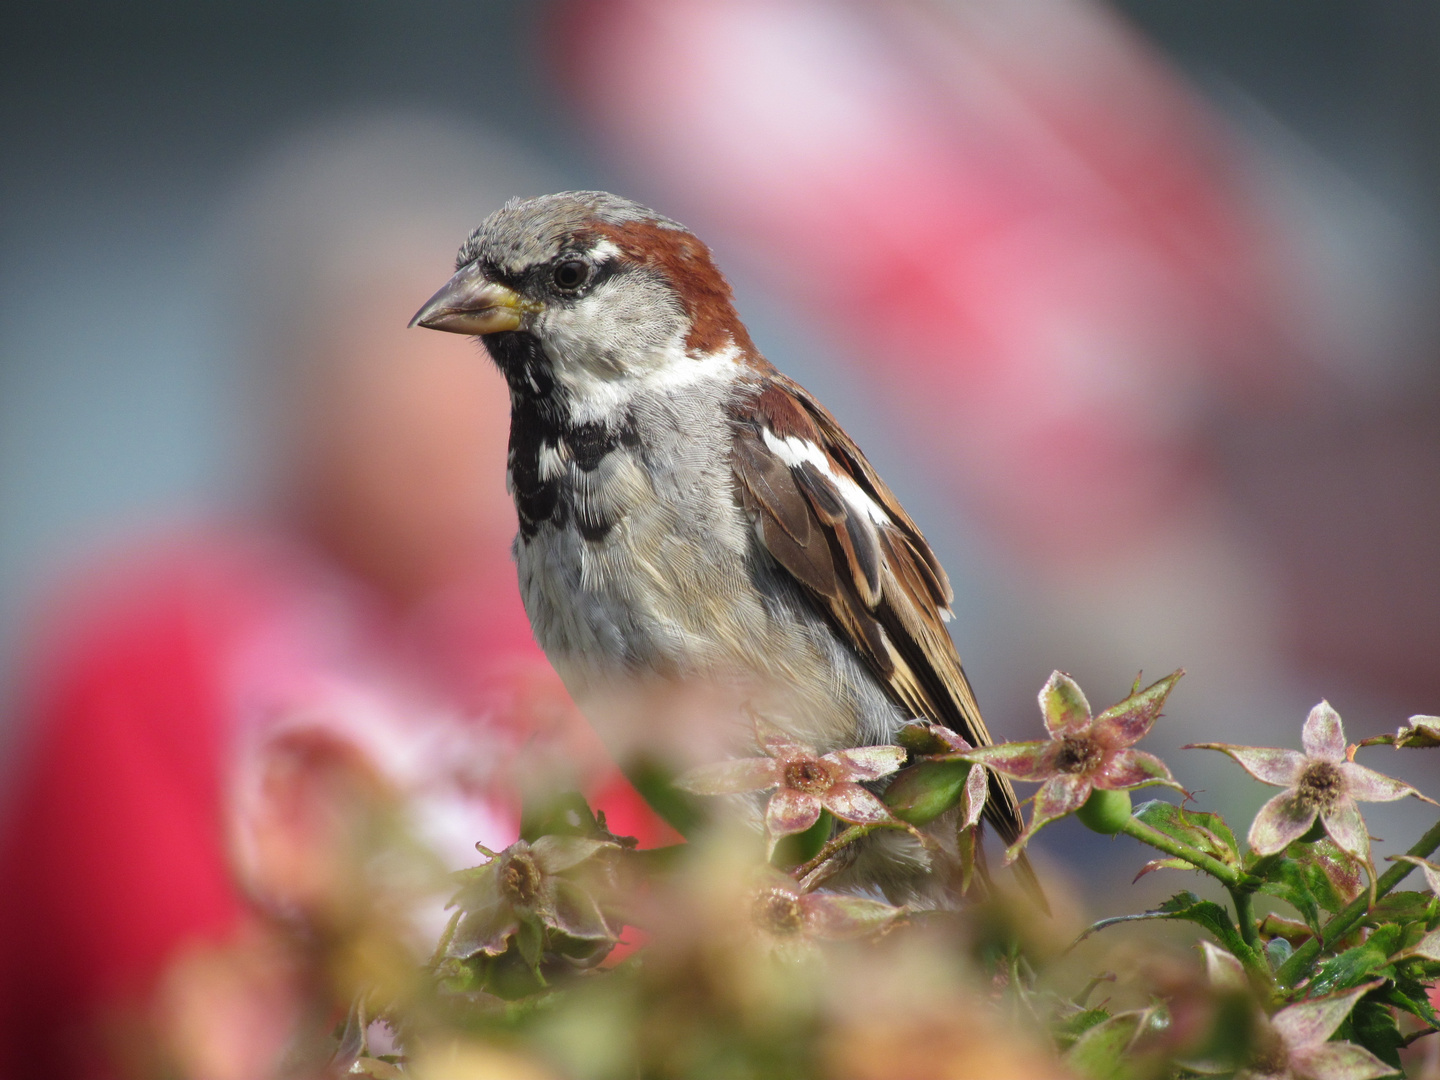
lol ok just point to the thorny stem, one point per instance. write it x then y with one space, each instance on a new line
1293 970
1228 876
806 874
1239 884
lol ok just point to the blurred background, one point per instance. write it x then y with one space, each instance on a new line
1134 305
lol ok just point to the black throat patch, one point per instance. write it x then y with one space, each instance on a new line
540 421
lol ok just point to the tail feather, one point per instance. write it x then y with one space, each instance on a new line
1004 812
1030 882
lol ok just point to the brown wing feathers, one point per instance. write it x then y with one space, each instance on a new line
882 585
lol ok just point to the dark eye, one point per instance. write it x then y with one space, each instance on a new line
571 273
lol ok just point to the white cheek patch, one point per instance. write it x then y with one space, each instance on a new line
795 451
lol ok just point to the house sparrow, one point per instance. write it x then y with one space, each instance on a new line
688 512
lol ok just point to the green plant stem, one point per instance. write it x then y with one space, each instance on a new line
849 836
1245 916
1227 875
1303 959
1239 884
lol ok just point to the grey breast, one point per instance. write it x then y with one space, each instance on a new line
647 563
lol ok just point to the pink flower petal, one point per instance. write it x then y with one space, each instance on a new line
973 796
1131 768
731 777
1061 796
790 812
1056 798
1347 828
1128 722
1367 785
1268 764
1428 946
1324 735
1339 1061
1063 704
832 916
782 747
1223 969
868 762
1310 1023
852 803
1429 869
1033 761
1280 822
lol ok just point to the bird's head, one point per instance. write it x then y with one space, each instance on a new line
610 290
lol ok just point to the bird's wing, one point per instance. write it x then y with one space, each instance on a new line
828 519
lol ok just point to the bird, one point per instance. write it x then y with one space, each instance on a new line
687 511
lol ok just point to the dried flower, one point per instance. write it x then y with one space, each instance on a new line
1082 753
1322 782
524 887
785 916
1294 1043
806 783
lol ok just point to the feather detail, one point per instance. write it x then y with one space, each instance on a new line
827 518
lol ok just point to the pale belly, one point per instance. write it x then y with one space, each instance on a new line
668 636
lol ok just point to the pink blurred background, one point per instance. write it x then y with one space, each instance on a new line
1133 306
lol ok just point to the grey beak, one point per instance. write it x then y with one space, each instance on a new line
470 303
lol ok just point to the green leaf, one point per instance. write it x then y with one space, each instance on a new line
1413 997
1287 880
1333 877
1067 1030
1188 907
508 976
1099 1054
926 790
680 809
1205 831
1372 1025
1401 907
801 847
1162 864
1354 966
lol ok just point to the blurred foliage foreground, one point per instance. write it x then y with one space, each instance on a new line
572 954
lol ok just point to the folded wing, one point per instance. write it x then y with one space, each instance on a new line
829 520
